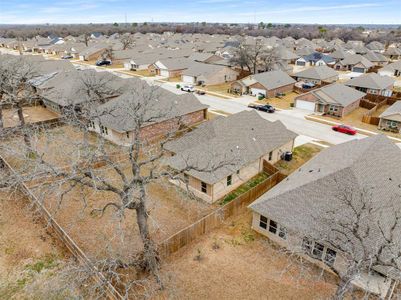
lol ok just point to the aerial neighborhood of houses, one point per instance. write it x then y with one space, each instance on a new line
248 123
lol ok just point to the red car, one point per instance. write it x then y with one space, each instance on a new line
344 129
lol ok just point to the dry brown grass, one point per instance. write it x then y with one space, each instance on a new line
282 103
220 89
234 262
301 155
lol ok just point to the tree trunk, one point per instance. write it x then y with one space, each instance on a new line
151 258
1 117
21 118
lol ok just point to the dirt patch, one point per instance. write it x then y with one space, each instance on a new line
27 251
220 88
301 155
32 114
234 262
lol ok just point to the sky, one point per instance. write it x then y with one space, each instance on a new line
227 11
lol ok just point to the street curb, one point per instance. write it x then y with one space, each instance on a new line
363 131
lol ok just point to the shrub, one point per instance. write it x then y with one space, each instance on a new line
178 86
261 97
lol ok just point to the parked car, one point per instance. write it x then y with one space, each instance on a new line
308 85
103 63
344 129
266 107
67 57
199 92
188 88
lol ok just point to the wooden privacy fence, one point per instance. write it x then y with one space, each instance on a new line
373 107
217 217
110 290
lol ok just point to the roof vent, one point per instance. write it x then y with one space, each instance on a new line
254 139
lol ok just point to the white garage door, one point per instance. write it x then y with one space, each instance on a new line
188 79
256 92
301 104
164 73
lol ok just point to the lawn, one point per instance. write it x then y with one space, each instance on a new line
254 181
282 103
301 155
220 89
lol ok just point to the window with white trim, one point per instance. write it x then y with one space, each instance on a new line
273 227
203 187
229 180
263 222
319 251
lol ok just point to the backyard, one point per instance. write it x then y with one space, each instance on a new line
32 114
301 155
234 262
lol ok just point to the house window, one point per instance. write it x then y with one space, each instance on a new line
104 130
263 222
229 180
317 251
127 134
330 257
273 226
204 187
237 172
186 178
270 155
306 245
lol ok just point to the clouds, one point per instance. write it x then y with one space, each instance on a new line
230 11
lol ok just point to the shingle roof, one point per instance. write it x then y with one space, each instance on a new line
153 103
371 81
392 110
371 166
354 59
319 72
338 93
239 139
273 79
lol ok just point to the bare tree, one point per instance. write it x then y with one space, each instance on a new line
364 231
139 165
127 41
251 55
16 74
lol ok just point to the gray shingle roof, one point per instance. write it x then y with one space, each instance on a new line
338 93
151 103
392 110
371 166
319 72
273 79
239 139
371 81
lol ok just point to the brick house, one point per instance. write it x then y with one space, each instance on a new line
373 83
317 75
238 144
390 119
167 112
268 84
335 99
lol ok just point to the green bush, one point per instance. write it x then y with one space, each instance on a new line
261 97
291 104
178 86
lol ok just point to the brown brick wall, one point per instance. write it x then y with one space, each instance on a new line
157 130
282 89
